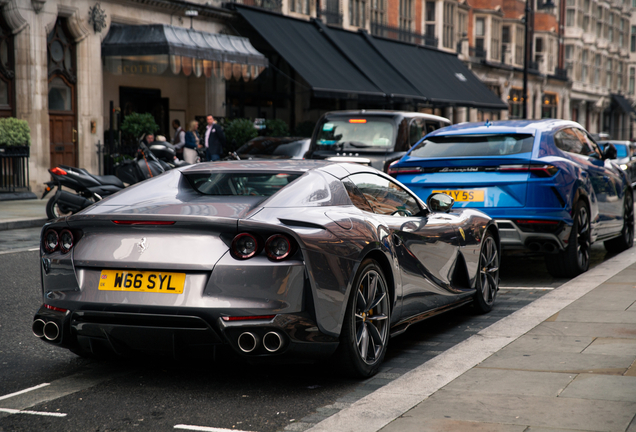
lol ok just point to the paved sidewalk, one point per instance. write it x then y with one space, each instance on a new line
18 214
566 362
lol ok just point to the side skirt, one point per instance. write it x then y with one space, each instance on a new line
401 326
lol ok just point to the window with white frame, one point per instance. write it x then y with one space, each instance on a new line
357 13
632 42
406 15
608 73
448 36
299 6
584 61
377 11
619 76
599 21
462 24
480 33
610 28
519 44
495 39
597 69
632 78
569 61
429 17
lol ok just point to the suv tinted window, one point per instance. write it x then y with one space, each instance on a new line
567 140
474 145
590 148
384 196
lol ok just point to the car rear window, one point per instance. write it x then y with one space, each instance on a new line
285 149
473 145
356 132
240 183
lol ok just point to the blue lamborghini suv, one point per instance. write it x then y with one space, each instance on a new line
546 182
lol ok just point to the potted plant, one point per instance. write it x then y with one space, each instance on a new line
238 132
15 137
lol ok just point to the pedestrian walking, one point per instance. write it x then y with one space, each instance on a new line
191 142
179 138
214 140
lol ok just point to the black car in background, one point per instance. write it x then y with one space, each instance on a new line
274 148
625 157
375 138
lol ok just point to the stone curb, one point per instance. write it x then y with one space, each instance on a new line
22 223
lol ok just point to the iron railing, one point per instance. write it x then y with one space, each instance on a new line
477 52
404 35
14 169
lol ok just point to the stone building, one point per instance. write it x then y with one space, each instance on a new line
56 73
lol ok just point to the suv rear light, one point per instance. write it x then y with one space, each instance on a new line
278 247
538 170
51 240
244 246
537 225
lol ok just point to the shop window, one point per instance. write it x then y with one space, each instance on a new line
549 106
515 103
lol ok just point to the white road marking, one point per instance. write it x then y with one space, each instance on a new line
33 249
526 288
40 413
205 428
10 395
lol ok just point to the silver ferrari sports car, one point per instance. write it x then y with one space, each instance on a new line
273 258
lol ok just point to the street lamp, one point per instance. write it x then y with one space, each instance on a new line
529 15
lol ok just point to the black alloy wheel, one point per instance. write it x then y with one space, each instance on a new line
575 259
626 239
488 277
365 330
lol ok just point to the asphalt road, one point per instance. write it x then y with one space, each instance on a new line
159 393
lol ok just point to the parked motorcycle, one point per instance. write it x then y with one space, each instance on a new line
91 188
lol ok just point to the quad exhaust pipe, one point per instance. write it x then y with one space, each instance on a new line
248 342
546 247
45 330
38 328
272 342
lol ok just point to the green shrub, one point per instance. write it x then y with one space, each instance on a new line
276 128
305 129
238 132
135 125
14 132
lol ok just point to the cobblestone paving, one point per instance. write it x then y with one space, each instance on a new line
422 342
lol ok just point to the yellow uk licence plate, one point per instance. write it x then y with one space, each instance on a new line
464 195
142 281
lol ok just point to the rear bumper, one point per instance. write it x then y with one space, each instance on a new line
514 238
124 333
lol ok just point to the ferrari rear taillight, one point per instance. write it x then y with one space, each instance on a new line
66 241
278 247
244 246
51 240
62 240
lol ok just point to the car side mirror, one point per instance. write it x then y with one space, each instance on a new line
609 152
440 202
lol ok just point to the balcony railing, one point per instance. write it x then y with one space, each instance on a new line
561 73
477 52
396 33
271 5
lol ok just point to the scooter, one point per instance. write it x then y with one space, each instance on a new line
91 188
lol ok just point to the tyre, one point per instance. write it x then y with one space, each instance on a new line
487 283
575 259
54 210
365 330
626 239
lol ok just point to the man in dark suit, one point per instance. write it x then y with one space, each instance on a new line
213 140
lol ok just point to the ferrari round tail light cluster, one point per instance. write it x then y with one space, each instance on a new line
277 247
62 240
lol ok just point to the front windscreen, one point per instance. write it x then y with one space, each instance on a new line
621 151
355 133
241 183
473 145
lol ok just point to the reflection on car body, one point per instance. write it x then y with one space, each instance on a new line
272 258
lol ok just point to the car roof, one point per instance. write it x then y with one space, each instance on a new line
337 169
505 126
409 114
